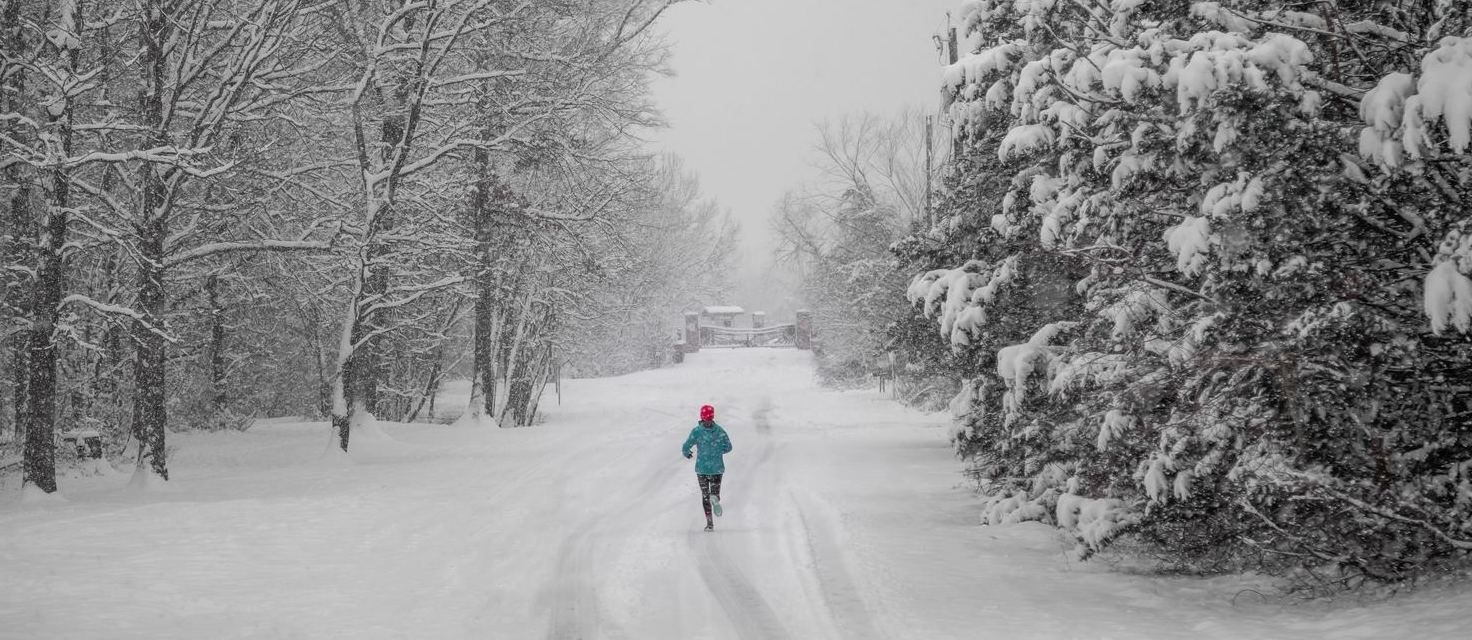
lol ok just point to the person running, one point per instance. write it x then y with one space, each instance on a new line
710 442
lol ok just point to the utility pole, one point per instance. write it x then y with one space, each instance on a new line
929 138
955 55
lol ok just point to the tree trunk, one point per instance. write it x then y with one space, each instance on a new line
359 364
10 411
362 366
149 411
369 365
342 409
18 214
491 339
541 373
346 387
483 350
40 399
514 367
476 407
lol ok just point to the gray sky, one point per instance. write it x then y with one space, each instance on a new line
753 77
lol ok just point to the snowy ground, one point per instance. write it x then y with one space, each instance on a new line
846 518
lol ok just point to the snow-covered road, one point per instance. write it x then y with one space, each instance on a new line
846 517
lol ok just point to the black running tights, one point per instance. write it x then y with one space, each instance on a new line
709 486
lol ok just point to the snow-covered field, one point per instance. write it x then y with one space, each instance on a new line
846 518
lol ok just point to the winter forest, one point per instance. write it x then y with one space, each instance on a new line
1185 285
216 210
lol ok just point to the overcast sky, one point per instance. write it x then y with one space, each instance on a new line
753 77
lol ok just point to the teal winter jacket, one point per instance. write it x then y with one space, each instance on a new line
710 442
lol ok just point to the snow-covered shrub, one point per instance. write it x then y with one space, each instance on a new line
1018 507
1095 522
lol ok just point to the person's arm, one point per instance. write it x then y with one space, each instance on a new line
690 440
725 442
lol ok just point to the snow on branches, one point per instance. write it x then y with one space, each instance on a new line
962 296
1094 521
1401 114
1017 363
968 72
1448 297
1190 241
1401 110
1446 89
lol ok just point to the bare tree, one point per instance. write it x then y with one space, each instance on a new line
140 179
837 231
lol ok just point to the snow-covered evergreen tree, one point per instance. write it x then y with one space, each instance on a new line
1218 223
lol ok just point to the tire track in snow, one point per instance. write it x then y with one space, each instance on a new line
750 614
575 613
849 613
849 610
573 599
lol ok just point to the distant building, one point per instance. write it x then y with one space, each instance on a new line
720 316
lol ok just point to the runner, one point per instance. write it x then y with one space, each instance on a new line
711 443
